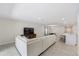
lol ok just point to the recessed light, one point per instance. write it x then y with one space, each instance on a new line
39 18
52 25
63 18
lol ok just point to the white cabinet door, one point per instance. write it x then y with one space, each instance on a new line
45 43
21 46
35 48
71 39
52 39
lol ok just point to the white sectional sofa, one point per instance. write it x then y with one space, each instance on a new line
35 46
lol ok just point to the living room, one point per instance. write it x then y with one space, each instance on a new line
58 20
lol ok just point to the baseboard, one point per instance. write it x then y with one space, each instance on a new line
6 42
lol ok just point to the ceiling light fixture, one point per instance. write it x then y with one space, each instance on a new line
52 25
63 18
39 18
64 21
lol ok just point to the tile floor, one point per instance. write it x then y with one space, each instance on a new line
58 49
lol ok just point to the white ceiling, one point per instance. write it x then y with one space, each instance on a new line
45 13
6 9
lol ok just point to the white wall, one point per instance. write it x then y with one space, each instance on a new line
78 31
56 29
6 9
78 34
10 29
38 29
